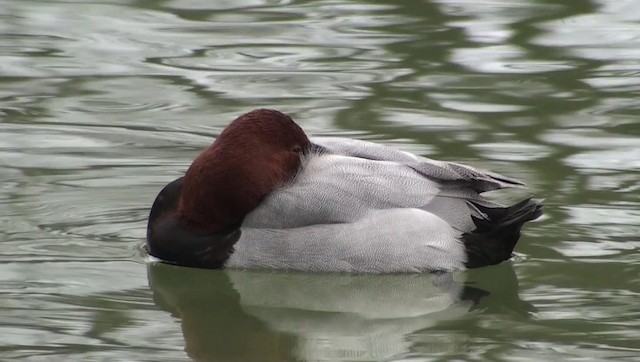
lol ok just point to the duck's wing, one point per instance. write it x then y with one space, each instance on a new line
343 179
331 189
446 174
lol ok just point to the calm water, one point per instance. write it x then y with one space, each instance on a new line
103 102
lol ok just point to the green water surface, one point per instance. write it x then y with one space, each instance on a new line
104 102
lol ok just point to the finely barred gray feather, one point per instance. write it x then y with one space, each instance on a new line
359 206
439 171
264 196
383 241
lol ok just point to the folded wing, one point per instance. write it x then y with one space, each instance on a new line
346 178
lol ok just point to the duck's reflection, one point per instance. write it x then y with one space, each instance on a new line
214 324
278 316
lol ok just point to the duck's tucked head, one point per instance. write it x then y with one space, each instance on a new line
258 152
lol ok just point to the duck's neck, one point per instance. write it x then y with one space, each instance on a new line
209 201
219 191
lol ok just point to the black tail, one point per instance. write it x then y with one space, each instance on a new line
496 235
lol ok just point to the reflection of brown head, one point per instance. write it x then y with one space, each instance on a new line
214 326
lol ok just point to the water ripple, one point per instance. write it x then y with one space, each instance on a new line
104 102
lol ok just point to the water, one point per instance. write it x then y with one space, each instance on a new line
102 103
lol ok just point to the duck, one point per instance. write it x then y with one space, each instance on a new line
265 196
